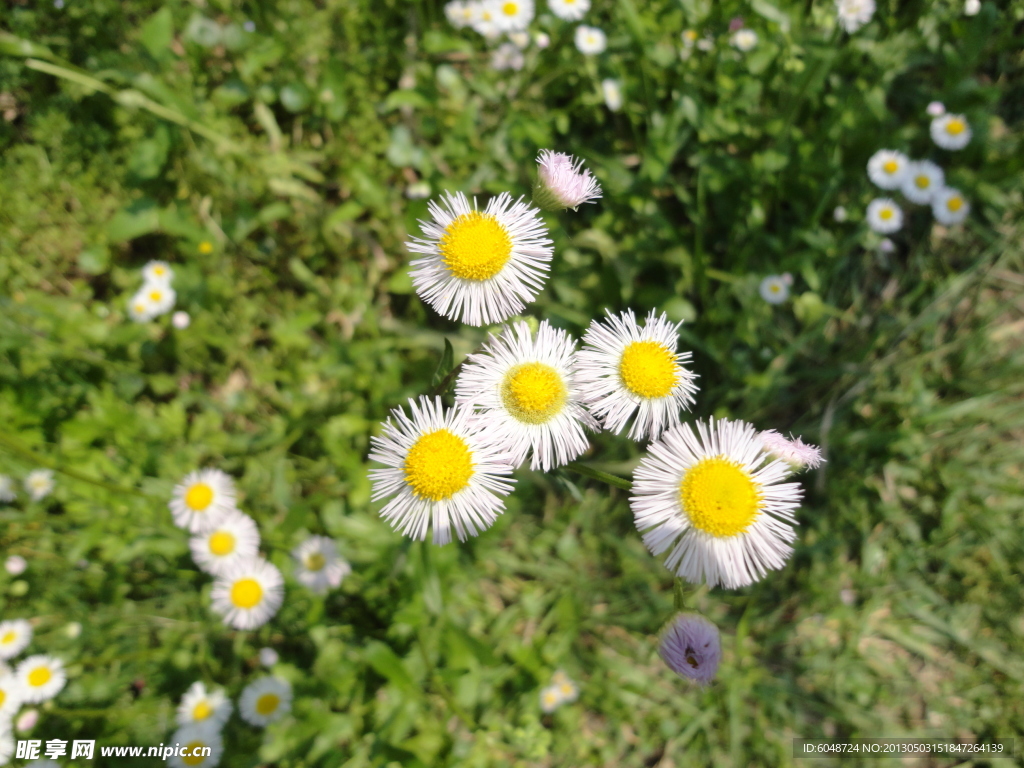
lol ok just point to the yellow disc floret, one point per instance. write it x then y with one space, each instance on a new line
199 497
315 561
954 204
39 676
885 214
891 166
534 393
192 753
510 9
8 638
648 369
476 246
719 497
267 703
222 543
201 711
922 182
246 593
438 465
955 127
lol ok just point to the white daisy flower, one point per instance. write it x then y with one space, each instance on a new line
159 298
268 657
158 273
884 216
27 720
951 131
202 499
971 7
625 371
886 245
11 693
512 15
234 539
689 38
950 207
794 451
612 92
706 43
201 746
713 499
550 699
774 289
41 678
443 468
480 267
139 309
523 388
521 40
181 320
318 564
484 21
265 700
590 40
7 492
923 179
248 594
854 14
507 56
839 214
562 182
460 13
569 10
887 168
567 690
936 109
208 708
542 40
39 483
14 565
744 39
6 745
691 646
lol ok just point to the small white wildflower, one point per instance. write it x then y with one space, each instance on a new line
774 289
590 40
744 39
612 92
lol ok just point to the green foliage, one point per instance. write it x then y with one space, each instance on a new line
269 167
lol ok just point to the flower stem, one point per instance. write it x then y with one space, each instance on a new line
595 474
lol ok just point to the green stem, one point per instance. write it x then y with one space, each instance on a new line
438 686
595 474
17 447
679 594
442 387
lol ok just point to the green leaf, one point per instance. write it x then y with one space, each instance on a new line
386 663
140 218
446 364
157 32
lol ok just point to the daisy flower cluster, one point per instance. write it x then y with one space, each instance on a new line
561 691
34 680
741 37
920 181
202 715
39 484
156 296
248 590
713 498
494 19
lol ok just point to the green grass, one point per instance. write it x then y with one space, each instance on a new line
289 149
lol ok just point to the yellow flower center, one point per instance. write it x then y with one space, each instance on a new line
140 308
510 9
3 697
198 497
648 369
475 246
719 497
955 127
774 287
885 214
533 392
891 166
159 271
201 711
222 543
550 698
9 637
246 593
267 703
688 34
206 247
191 754
155 295
39 676
438 465
691 661
315 561
922 182
566 689
954 204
